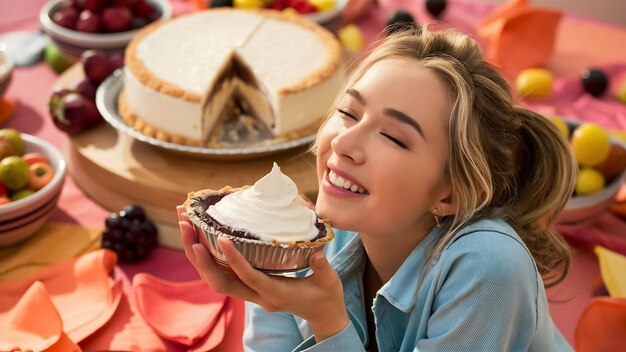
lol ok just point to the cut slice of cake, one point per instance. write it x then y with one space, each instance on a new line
237 109
225 76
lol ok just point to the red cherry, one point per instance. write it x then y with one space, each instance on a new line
85 88
3 191
87 22
279 5
116 19
127 3
92 115
68 111
302 6
143 8
92 5
66 17
116 60
95 65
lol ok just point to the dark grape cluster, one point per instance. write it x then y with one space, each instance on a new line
129 234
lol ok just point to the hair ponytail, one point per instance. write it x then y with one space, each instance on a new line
545 180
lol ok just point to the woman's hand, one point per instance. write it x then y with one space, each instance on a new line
318 298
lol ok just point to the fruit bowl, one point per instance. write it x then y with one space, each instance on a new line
73 42
581 209
22 218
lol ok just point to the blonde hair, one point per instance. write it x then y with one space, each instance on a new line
505 161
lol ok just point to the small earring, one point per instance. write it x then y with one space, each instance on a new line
436 214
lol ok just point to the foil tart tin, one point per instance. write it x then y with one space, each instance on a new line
270 258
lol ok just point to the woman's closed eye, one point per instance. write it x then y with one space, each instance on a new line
346 114
394 140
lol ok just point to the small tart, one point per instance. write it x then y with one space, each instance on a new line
271 257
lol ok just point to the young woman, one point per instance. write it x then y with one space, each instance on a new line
448 247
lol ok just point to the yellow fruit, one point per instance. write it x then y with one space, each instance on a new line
323 5
534 83
21 194
621 92
247 4
589 181
560 124
590 144
351 37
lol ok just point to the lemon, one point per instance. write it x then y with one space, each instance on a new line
590 144
589 181
323 5
534 83
560 124
351 37
247 4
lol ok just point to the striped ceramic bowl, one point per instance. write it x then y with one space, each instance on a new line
22 218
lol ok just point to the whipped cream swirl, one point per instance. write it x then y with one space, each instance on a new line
271 210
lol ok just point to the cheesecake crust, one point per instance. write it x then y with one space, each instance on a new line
139 124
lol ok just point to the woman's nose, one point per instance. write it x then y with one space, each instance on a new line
350 144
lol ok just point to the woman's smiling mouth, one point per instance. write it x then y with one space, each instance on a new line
340 182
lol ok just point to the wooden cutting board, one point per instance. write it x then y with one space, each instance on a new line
115 169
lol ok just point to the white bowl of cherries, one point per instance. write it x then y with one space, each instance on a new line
78 25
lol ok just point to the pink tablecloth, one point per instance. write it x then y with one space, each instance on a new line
597 44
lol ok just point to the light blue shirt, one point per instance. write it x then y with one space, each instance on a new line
483 293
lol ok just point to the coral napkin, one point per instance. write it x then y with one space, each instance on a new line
80 291
35 324
518 36
182 312
601 327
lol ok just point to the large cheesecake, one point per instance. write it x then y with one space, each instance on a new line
225 76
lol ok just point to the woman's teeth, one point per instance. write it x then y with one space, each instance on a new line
343 183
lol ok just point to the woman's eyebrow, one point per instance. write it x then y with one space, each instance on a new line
396 114
355 93
402 117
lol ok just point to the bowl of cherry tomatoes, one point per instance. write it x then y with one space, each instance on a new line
32 174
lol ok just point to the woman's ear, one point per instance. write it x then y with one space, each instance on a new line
445 203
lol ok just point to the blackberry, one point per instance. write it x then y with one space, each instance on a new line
129 234
595 81
436 7
399 21
133 213
221 3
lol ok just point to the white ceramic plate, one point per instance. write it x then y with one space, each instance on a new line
327 16
106 101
